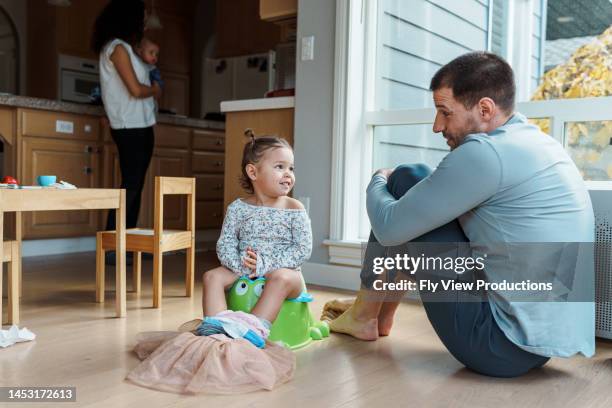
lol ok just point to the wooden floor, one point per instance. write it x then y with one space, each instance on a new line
80 344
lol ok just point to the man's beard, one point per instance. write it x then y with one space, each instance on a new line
471 127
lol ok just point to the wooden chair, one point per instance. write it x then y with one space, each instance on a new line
155 241
11 256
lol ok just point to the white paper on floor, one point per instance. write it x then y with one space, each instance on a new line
15 335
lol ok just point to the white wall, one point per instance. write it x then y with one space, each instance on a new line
313 117
17 11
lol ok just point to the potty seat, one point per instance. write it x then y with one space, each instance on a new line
294 326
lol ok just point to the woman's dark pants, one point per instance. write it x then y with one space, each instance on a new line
135 148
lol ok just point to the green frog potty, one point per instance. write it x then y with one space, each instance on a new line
294 327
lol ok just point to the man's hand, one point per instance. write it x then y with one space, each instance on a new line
384 172
250 261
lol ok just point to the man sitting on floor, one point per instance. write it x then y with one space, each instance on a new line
503 182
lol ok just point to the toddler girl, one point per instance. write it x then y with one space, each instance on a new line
267 234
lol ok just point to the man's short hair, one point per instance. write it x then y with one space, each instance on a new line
477 75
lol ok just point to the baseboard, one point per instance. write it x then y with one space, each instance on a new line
333 276
205 241
60 246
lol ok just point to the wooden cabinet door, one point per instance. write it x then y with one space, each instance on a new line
175 95
75 26
72 161
274 10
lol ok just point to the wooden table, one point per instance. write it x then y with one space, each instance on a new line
48 199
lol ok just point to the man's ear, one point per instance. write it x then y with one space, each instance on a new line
487 109
251 171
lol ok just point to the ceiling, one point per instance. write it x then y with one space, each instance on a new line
590 17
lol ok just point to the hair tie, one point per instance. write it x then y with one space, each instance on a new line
249 133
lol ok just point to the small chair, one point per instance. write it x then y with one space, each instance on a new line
155 241
11 256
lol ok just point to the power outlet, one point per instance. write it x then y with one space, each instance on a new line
308 48
63 126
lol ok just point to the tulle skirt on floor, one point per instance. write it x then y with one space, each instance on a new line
182 362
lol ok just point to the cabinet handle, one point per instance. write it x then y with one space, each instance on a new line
219 164
87 170
219 142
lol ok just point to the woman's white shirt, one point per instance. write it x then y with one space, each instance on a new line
123 110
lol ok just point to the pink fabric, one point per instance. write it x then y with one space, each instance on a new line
251 321
185 363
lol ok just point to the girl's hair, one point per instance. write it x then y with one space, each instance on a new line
123 19
254 150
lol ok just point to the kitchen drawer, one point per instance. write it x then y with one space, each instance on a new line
59 125
172 136
203 162
209 187
209 214
208 140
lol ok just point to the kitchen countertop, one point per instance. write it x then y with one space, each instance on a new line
258 104
17 101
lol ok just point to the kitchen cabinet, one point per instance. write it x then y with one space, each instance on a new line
179 152
74 25
277 122
175 95
247 33
208 164
275 10
175 41
73 160
67 30
78 148
56 30
67 146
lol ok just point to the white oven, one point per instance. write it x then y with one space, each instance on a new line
78 77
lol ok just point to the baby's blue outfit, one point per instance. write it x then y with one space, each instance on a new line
282 238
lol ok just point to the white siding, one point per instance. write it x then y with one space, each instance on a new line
498 28
417 37
537 53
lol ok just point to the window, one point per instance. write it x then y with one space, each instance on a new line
388 52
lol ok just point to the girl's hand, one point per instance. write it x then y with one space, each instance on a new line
250 261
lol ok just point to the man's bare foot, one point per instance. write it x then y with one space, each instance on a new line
385 323
360 329
385 318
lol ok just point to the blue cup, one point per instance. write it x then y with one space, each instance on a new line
46 180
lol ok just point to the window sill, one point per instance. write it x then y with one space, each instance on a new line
345 252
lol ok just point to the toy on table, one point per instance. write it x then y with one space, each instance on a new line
9 180
294 326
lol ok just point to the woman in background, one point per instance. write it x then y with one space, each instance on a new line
128 96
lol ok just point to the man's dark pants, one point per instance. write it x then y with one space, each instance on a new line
466 327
